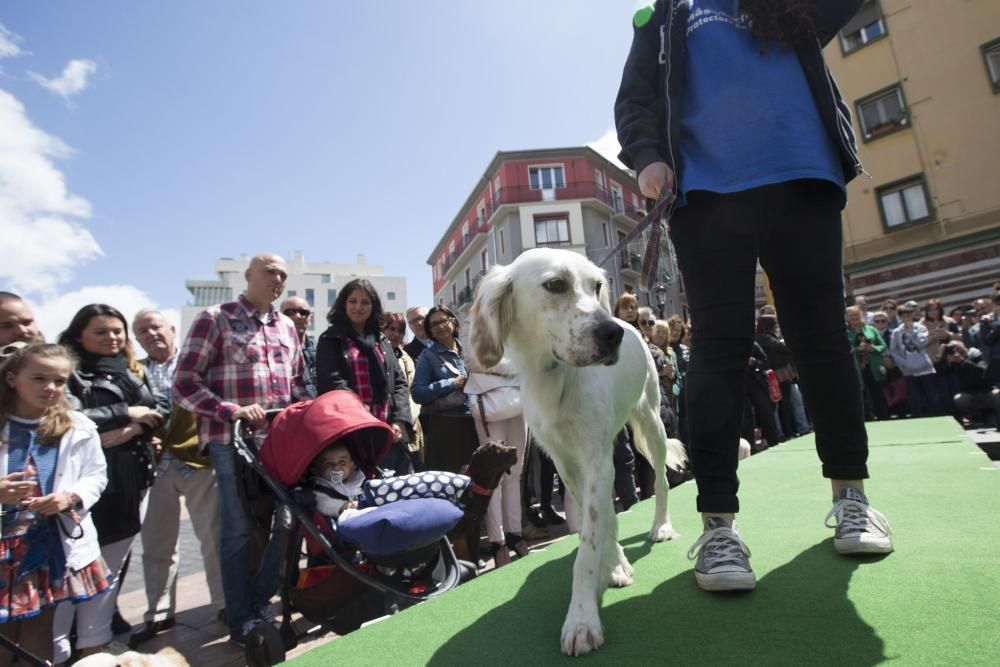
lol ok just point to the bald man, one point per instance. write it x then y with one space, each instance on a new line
17 322
298 311
240 359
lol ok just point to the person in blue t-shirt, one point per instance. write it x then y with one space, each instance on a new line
729 105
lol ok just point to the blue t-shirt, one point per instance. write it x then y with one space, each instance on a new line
747 119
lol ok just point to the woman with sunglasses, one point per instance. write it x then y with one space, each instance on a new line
438 385
353 354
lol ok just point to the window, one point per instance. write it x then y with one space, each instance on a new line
866 26
292 293
390 296
484 262
991 55
481 213
882 113
331 296
551 231
604 233
325 278
599 178
617 199
503 251
310 296
904 202
454 294
546 178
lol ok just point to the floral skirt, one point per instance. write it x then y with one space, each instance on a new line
36 590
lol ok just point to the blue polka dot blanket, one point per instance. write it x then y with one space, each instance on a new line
430 484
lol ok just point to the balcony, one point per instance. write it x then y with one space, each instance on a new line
524 194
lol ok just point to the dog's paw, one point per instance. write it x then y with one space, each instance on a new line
621 575
582 633
663 532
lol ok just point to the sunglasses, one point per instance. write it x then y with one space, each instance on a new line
647 323
292 312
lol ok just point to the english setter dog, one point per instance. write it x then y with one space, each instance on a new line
583 375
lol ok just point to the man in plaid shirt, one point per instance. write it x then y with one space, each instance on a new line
240 359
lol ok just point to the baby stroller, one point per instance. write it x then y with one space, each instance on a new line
346 581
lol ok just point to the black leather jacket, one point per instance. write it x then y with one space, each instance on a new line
333 371
650 99
105 399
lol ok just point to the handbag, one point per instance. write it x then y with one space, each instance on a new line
498 397
452 401
773 388
786 374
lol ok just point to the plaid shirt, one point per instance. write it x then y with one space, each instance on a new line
233 357
362 379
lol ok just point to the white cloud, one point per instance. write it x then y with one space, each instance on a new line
607 145
73 79
8 43
54 314
39 219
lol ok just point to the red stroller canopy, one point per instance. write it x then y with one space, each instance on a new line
302 430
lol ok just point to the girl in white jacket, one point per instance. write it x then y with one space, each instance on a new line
51 472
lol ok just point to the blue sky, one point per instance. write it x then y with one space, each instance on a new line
195 130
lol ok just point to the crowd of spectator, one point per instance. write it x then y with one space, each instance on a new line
160 429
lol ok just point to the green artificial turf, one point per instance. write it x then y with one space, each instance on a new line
934 601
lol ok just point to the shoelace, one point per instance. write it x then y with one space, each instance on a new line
856 517
721 546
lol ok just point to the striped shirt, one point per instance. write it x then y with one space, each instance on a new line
234 357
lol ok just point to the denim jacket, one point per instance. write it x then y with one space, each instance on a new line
433 378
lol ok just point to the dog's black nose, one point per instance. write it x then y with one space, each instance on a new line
609 335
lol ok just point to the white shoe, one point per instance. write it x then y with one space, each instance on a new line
859 528
723 559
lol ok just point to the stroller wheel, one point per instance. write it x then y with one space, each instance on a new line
264 646
288 636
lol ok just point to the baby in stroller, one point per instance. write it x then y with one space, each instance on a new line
342 493
336 482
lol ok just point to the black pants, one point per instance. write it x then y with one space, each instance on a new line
759 410
794 230
875 403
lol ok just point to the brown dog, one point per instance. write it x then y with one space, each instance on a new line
488 464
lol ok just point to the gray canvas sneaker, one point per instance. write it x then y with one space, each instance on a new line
859 528
723 559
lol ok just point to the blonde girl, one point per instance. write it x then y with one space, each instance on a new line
51 472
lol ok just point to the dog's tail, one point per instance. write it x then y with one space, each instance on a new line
676 454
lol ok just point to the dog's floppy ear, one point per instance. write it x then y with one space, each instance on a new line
492 313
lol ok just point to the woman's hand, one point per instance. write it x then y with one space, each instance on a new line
654 178
460 381
120 436
398 430
145 416
14 490
54 503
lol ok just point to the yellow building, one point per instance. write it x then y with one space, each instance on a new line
923 80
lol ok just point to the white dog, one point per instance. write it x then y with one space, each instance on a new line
583 375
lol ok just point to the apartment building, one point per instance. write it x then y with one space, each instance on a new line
569 198
317 283
923 80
